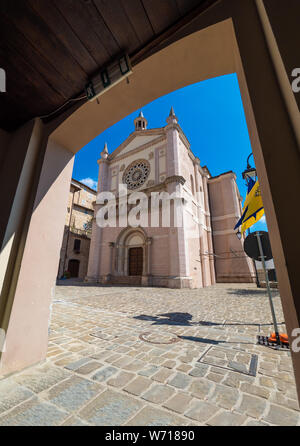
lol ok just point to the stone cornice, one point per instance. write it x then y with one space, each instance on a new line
131 137
175 179
138 149
221 177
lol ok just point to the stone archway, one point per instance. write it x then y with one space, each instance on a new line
132 239
216 43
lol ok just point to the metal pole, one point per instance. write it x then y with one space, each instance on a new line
257 234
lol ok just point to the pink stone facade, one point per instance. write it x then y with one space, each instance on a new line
203 250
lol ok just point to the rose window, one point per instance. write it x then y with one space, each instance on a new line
136 174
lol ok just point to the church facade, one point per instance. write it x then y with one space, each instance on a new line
198 248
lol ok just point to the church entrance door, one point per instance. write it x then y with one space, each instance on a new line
135 261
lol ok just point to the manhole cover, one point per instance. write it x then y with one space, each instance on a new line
230 359
159 337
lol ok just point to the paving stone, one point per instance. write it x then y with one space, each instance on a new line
148 371
76 364
62 361
238 366
134 366
72 393
201 388
256 423
179 402
214 377
89 367
34 412
101 355
235 379
155 417
282 400
180 380
157 360
121 379
40 378
162 375
225 418
74 421
169 364
198 372
158 393
255 390
112 358
282 416
12 394
202 366
266 382
184 368
110 409
157 352
186 359
252 406
201 411
218 371
138 385
225 397
121 362
104 373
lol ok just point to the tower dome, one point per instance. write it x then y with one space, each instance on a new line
140 123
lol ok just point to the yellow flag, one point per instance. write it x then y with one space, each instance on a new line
253 208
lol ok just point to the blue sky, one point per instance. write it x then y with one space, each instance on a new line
212 117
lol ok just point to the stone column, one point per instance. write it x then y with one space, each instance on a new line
149 260
112 250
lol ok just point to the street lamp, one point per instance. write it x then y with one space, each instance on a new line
250 172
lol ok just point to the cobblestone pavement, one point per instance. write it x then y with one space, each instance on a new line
153 356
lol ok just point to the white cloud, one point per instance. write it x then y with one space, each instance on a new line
263 219
89 182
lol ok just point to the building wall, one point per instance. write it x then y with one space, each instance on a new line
79 214
232 264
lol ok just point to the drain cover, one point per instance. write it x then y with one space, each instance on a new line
159 337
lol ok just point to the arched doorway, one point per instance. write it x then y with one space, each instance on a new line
135 261
132 257
73 267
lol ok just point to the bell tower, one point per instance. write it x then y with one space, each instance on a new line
140 123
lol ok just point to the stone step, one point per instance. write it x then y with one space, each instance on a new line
126 280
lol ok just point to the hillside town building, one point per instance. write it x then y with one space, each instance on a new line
77 231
